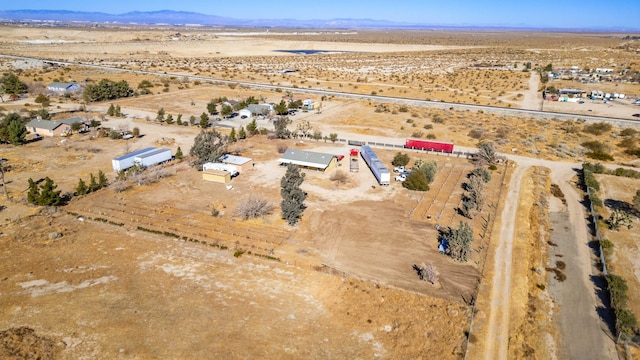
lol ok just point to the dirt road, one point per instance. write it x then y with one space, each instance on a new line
498 336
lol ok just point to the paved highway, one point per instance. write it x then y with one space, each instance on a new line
346 95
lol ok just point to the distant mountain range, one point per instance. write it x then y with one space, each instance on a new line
185 18
170 17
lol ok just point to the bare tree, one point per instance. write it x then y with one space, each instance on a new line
486 153
429 273
253 206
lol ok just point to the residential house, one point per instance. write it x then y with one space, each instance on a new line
53 128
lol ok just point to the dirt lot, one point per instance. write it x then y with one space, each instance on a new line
118 268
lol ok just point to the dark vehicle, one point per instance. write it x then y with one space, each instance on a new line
636 115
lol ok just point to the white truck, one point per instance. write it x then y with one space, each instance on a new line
221 167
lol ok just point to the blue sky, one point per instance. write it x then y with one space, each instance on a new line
560 14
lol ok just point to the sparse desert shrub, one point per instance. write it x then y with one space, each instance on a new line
282 148
340 177
417 134
597 128
476 133
120 185
252 207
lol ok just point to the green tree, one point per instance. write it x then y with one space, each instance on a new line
192 120
429 168
179 119
226 110
12 85
232 135
460 242
242 134
252 127
107 90
93 184
160 115
43 100
135 132
211 107
17 132
111 111
482 173
333 137
118 111
76 126
81 188
4 125
281 108
179 154
293 197
169 119
43 114
34 192
416 181
317 135
208 146
102 180
204 120
636 201
280 126
48 194
401 159
548 68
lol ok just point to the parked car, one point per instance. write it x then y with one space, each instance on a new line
399 169
636 115
401 177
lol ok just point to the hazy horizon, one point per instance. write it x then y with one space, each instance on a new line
586 14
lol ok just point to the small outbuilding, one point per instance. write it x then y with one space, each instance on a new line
309 160
242 164
219 176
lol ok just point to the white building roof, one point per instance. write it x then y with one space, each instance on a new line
306 158
234 160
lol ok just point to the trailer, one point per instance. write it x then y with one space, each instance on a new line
128 160
231 169
378 169
429 145
154 157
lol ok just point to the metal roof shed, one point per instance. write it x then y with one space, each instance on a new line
309 160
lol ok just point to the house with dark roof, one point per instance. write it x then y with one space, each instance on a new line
53 128
309 160
63 87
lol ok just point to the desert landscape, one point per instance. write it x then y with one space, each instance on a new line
171 269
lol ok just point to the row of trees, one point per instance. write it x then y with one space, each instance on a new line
107 90
82 188
626 321
474 196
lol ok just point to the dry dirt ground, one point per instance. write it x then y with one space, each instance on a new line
625 258
110 266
